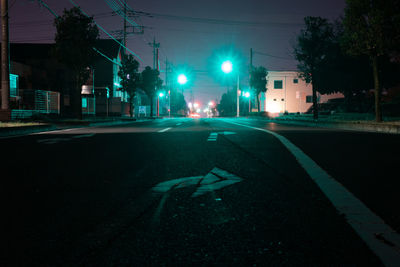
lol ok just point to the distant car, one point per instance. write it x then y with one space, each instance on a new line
194 115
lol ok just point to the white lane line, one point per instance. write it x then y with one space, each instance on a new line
380 237
164 130
212 137
83 135
53 132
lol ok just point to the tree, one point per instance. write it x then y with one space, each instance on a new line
130 78
227 105
340 72
150 82
372 28
74 40
311 49
178 103
258 81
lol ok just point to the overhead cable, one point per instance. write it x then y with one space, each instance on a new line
130 51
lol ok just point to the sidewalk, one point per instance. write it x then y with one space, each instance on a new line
345 121
10 129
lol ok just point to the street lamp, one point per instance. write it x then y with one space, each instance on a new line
160 94
227 67
247 95
182 79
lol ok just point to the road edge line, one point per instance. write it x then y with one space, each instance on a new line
378 236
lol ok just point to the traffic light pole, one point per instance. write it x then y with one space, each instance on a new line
5 64
237 96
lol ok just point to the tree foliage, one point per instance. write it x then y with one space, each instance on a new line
312 47
74 40
258 82
372 28
227 105
150 82
130 78
178 103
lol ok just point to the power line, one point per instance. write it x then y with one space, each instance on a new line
214 21
269 55
107 32
114 6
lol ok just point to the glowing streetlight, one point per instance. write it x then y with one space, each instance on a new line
247 95
227 66
160 94
182 79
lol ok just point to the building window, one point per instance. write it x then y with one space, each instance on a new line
295 80
309 99
278 84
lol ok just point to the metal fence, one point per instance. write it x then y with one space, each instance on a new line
47 102
88 105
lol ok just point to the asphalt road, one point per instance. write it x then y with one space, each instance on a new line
193 191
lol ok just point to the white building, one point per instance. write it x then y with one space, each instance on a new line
287 92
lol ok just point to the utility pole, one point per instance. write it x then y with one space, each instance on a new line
124 31
5 58
155 53
168 86
250 72
155 61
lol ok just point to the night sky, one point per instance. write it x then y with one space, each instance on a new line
189 31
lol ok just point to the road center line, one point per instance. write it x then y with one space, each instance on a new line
164 130
380 237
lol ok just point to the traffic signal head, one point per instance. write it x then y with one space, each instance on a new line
182 79
227 66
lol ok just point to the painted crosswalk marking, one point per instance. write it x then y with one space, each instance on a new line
212 137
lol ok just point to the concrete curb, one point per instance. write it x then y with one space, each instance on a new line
21 130
352 126
24 130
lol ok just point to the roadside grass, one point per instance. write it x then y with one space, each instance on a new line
18 124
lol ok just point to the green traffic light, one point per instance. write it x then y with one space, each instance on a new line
182 79
227 66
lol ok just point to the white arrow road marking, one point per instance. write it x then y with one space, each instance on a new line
168 185
216 179
212 137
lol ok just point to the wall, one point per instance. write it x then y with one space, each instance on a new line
292 97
